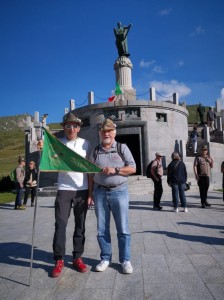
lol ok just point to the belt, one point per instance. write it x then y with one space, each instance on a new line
108 188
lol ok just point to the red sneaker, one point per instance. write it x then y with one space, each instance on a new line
59 265
79 265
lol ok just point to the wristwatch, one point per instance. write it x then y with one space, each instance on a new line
117 170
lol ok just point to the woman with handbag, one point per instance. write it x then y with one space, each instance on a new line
176 178
30 183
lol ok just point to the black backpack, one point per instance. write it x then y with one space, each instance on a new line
148 170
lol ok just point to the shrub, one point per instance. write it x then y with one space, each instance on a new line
6 184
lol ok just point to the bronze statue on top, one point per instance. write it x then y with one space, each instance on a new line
121 39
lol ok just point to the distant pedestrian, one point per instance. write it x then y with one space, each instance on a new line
20 175
176 178
211 116
30 183
157 173
194 138
202 169
222 170
201 112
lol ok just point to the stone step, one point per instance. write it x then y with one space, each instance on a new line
136 185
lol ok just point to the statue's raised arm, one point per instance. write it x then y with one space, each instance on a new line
121 39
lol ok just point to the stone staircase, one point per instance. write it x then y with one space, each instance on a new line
137 185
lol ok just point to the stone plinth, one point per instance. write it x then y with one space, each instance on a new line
123 68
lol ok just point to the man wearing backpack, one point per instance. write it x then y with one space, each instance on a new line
157 173
202 169
110 195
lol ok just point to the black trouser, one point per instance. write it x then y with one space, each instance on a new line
28 190
158 191
203 184
63 205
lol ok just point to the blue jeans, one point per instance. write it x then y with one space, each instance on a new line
114 200
178 190
19 195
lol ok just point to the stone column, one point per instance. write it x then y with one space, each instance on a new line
206 134
183 148
72 105
66 110
123 68
176 98
36 117
90 98
152 94
218 106
219 123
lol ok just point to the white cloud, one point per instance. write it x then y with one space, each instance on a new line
197 31
221 98
158 69
167 88
165 12
146 64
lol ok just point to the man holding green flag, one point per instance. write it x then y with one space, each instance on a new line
72 188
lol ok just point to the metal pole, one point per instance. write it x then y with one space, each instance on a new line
34 219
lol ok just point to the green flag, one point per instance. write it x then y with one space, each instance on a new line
118 90
56 157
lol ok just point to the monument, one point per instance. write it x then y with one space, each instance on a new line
146 126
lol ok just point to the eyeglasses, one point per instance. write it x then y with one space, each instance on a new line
68 126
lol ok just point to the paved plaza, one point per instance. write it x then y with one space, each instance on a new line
174 255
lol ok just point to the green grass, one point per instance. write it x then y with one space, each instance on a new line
12 145
6 197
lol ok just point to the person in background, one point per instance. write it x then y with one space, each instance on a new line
202 169
201 112
194 138
176 178
20 175
211 116
222 171
110 194
30 183
157 173
72 193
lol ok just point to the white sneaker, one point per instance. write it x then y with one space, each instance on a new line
127 267
176 209
185 209
102 266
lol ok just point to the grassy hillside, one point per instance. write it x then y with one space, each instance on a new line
12 140
193 118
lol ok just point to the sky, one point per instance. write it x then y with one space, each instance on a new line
56 50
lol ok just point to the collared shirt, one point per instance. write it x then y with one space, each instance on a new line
158 164
111 158
203 164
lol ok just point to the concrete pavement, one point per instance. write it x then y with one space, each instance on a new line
174 255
